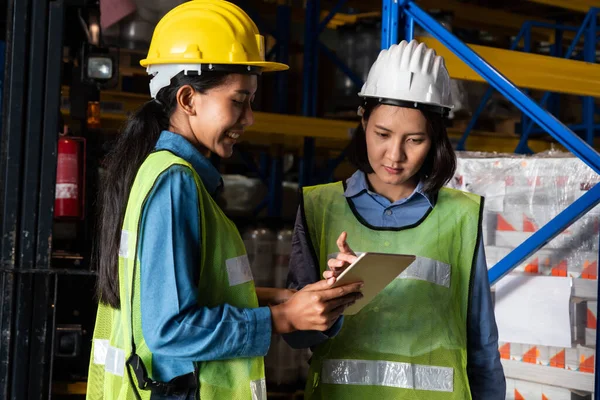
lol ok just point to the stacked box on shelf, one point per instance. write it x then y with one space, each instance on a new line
522 194
523 390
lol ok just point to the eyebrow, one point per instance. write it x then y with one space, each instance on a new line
383 128
241 91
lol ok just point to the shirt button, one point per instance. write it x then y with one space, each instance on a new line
388 212
386 243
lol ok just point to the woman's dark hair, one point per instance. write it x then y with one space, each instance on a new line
440 164
134 144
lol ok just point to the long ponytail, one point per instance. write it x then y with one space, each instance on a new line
122 163
131 148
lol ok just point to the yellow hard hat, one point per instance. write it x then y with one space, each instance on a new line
208 32
213 33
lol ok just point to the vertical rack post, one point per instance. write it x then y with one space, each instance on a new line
284 21
389 23
309 86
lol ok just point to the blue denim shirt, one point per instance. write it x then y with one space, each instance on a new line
177 330
486 376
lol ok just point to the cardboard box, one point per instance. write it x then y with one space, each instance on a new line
586 359
516 352
555 393
580 359
504 350
557 357
543 355
510 389
530 353
528 390
572 359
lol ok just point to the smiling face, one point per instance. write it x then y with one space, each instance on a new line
398 143
215 120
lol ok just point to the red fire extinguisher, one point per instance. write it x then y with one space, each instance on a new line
69 199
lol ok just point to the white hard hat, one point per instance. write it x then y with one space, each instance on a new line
409 75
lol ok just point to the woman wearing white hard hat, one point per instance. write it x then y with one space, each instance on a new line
432 333
178 315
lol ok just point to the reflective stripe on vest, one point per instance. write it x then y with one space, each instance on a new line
427 269
111 357
387 373
259 389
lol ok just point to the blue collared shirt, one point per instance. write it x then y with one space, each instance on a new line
486 376
177 330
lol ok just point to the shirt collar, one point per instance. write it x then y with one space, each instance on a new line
178 145
358 184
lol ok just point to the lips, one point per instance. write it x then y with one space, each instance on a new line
393 171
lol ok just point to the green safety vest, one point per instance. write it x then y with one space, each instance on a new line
225 277
410 341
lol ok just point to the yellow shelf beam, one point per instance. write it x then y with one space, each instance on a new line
527 70
340 19
574 5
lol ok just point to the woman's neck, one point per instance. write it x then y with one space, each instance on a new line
391 192
188 134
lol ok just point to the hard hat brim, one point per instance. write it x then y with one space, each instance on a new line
408 103
265 66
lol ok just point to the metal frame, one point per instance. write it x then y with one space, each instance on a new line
312 46
28 160
538 115
588 27
14 92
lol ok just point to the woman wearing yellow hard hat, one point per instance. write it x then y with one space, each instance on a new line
431 333
178 315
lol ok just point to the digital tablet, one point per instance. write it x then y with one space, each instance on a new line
376 271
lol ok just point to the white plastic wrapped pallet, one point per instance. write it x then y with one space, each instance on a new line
522 193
